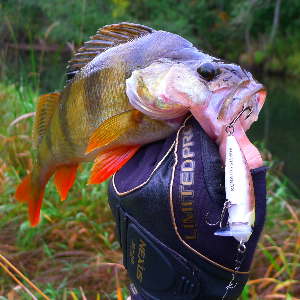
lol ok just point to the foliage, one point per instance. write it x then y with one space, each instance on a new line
242 31
275 272
74 243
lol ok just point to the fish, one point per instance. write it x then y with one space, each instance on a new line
128 86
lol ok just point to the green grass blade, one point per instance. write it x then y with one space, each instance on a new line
269 256
33 64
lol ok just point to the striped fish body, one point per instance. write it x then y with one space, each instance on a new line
98 93
95 96
128 86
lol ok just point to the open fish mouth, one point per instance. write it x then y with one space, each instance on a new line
248 93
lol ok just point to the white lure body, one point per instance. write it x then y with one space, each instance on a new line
239 193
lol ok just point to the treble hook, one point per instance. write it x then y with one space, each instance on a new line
231 125
227 204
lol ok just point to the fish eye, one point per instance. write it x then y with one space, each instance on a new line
208 71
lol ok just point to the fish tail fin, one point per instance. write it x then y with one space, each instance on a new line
110 162
64 179
26 192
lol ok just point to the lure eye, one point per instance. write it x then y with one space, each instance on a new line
208 71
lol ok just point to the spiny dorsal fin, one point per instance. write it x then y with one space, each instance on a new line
44 112
106 37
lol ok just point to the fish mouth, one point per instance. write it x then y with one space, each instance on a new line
247 93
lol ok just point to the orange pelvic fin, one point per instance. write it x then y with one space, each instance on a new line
64 179
110 162
113 128
26 193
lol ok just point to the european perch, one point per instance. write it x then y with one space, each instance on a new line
128 86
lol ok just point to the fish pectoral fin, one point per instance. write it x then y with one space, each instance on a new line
113 127
44 112
27 193
64 179
110 162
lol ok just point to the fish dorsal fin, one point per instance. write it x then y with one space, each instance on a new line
44 112
106 37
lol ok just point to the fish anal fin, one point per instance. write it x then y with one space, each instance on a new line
113 127
110 162
106 37
44 112
64 179
26 193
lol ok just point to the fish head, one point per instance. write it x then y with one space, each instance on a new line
215 92
232 89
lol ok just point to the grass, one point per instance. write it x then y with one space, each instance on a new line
74 245
73 253
275 271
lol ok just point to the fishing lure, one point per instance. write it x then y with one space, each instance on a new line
239 190
240 200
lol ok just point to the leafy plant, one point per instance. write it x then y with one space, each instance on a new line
275 272
74 244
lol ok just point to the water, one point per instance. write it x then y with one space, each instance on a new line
279 124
